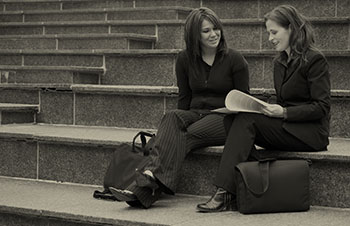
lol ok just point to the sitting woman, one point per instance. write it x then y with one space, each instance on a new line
206 71
300 119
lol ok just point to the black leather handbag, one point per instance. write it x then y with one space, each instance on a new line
269 186
121 170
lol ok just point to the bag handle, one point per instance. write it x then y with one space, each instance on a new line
142 135
264 168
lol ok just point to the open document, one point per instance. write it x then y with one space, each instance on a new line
237 101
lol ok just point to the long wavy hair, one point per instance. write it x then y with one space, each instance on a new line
192 34
301 38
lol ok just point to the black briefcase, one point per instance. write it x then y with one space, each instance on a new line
125 160
269 186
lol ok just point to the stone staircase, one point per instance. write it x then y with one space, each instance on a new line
78 78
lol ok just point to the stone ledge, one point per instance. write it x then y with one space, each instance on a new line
132 36
149 52
53 68
138 89
338 150
18 107
126 89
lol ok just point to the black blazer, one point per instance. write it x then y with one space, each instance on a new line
305 93
208 89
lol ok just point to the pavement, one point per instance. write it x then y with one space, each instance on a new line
74 202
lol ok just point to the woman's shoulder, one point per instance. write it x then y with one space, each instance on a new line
315 58
314 54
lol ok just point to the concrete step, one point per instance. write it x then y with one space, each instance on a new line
62 153
224 8
17 113
81 41
129 106
50 74
122 106
156 67
93 14
40 203
246 34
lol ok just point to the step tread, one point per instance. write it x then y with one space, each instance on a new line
146 52
81 36
55 68
74 202
130 89
13 106
338 150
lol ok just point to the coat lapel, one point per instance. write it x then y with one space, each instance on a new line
292 66
279 73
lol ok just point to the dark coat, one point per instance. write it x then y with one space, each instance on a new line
305 93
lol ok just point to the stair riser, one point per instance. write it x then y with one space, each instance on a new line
101 16
52 60
104 110
74 43
7 117
129 110
68 163
152 69
225 9
329 36
140 70
19 96
50 77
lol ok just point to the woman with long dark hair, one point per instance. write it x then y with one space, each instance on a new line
299 121
206 71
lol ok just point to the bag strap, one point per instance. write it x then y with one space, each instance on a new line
264 168
142 135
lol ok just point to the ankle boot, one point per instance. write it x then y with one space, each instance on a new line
222 200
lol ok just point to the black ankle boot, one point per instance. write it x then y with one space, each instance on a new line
220 201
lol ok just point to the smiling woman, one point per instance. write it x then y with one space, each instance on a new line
278 36
210 39
206 72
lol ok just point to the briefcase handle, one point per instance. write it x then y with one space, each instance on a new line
143 139
264 168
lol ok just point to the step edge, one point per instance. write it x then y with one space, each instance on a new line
82 36
138 89
213 150
18 107
147 52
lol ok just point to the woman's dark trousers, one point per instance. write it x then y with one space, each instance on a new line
179 132
246 130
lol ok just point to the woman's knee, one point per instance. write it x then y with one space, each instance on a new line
184 117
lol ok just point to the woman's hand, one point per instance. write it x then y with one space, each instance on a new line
273 110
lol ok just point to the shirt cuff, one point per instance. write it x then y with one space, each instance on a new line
284 113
